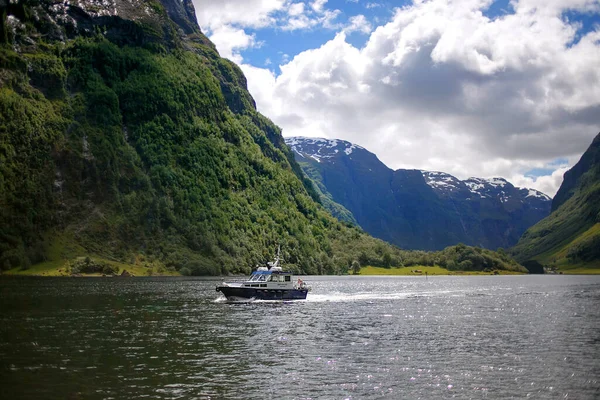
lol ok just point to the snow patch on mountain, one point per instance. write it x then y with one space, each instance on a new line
475 185
320 148
495 182
483 188
488 187
441 180
536 193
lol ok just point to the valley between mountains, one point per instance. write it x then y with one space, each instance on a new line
417 209
128 143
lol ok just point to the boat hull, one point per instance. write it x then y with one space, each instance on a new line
240 293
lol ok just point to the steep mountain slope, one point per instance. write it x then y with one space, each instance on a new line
124 136
570 236
419 209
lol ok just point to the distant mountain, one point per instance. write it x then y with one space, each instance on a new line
417 209
570 236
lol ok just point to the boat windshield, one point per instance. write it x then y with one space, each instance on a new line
259 277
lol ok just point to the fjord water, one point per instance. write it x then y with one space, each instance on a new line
355 337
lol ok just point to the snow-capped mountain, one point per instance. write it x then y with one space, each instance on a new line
418 209
318 148
494 188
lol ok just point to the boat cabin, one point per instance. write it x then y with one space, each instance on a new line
267 283
270 279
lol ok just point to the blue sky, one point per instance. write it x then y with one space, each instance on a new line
472 87
277 42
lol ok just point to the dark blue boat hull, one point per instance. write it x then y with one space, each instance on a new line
240 293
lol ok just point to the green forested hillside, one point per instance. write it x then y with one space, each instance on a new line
126 137
569 238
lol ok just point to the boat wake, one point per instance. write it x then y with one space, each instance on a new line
240 300
368 296
336 297
344 297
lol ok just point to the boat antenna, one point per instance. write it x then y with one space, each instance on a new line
276 263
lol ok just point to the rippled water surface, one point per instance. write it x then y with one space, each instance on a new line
355 337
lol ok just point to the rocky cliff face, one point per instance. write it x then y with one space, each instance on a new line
573 178
60 20
419 209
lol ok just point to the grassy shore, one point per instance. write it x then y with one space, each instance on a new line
581 271
578 270
63 252
62 268
414 271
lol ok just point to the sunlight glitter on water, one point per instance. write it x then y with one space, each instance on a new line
342 297
354 337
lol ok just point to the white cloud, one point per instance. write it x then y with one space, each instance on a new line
555 7
318 5
231 40
328 19
442 87
226 22
548 184
249 13
358 23
310 18
299 22
296 9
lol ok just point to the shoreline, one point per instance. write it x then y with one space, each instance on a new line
141 271
51 269
428 271
431 271
62 269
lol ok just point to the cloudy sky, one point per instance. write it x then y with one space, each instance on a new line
470 87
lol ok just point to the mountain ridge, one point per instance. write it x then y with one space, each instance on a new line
295 142
569 238
476 211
